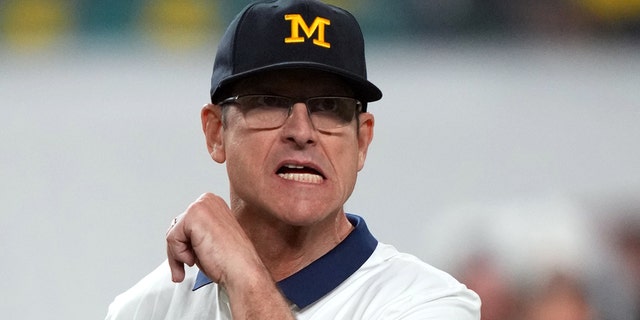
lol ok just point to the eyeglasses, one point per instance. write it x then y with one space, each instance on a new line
270 111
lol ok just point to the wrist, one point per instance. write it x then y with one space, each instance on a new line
245 279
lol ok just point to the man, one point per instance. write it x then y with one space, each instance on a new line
288 117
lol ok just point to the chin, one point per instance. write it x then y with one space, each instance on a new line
304 216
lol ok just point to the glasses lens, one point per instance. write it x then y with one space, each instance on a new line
267 111
332 112
263 111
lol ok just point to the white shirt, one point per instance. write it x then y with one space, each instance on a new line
359 279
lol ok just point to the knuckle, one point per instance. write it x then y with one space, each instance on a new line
211 197
206 204
207 196
171 240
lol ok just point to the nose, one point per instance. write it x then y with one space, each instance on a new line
298 127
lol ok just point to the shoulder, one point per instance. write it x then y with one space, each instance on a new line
395 285
416 289
387 263
156 296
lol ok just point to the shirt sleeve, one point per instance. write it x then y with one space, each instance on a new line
147 299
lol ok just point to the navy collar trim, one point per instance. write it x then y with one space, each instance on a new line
328 272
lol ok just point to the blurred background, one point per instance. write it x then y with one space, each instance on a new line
506 152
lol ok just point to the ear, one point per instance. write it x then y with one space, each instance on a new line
365 135
212 126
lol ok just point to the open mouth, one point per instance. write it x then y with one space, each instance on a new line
300 173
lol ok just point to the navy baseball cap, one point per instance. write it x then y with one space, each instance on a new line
292 34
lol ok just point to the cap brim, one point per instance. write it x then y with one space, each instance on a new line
364 90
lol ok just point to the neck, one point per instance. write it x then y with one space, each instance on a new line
286 249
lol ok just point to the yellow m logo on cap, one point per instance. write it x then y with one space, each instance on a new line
297 23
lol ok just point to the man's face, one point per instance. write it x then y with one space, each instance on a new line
293 173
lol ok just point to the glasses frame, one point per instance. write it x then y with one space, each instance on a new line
292 101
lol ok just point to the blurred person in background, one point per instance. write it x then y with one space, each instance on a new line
288 117
528 260
616 285
549 259
500 300
561 297
627 243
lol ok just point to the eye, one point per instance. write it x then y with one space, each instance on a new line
271 101
331 105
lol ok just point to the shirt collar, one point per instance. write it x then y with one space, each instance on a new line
329 271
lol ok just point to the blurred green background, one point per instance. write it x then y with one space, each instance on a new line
40 24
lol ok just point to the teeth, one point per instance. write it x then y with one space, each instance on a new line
302 177
293 166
